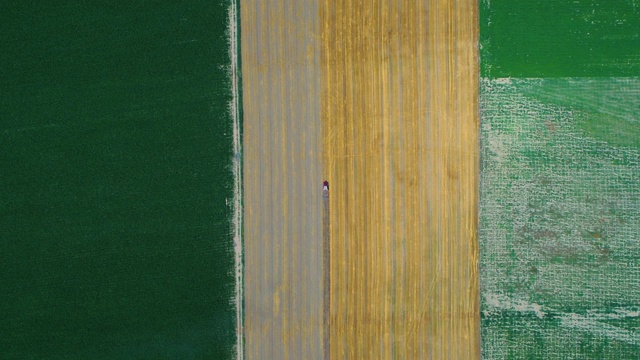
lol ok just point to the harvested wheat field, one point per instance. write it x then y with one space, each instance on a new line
380 99
400 130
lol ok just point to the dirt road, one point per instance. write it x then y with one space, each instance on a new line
283 251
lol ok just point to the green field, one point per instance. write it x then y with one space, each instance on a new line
559 207
559 38
116 183
559 227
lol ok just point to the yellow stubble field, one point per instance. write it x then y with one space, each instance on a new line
399 110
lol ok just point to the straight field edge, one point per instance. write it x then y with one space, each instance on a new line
235 110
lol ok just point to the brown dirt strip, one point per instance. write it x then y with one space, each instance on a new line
326 280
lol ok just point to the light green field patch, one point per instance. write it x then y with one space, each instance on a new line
606 109
559 222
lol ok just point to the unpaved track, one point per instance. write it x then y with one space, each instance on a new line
326 267
400 121
283 251
388 88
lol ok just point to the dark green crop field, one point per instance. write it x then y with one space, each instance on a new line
559 38
115 156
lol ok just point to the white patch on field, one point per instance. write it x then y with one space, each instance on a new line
502 81
504 302
600 329
587 323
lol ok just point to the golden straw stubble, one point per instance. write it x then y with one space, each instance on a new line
400 136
